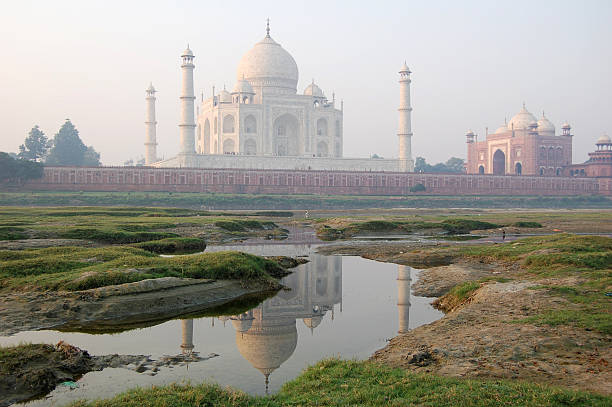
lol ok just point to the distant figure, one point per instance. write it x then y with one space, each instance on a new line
503 234
306 215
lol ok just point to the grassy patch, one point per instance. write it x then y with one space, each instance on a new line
349 383
456 296
242 225
458 226
588 259
173 245
526 224
12 233
77 268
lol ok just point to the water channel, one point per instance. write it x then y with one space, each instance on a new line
340 306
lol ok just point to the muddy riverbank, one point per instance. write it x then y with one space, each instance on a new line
513 323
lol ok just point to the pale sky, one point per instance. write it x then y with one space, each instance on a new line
473 63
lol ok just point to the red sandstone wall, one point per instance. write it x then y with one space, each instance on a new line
307 182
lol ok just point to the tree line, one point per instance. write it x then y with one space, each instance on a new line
452 165
66 148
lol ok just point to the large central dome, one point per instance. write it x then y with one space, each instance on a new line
267 65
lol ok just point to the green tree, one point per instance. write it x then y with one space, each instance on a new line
12 170
68 149
455 164
35 146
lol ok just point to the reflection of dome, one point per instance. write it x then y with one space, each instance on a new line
313 90
605 139
313 322
243 86
522 120
268 348
242 322
267 64
225 97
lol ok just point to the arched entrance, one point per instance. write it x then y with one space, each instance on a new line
518 169
228 146
250 147
322 150
481 170
499 163
285 135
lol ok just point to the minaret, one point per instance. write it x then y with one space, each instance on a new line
150 127
187 345
187 125
404 131
403 298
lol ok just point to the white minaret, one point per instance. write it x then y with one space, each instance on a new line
404 131
187 125
150 127
403 298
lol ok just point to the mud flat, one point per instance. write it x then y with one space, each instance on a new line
535 309
125 305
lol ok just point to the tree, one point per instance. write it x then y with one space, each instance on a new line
68 149
12 170
91 157
35 146
452 165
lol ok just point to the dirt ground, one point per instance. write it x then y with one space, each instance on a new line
481 337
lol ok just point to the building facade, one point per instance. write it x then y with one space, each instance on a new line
522 146
599 163
264 123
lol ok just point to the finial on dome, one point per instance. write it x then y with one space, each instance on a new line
268 28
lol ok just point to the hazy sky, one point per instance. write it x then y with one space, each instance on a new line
473 63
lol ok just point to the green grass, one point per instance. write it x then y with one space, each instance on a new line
12 233
527 224
241 225
77 268
588 259
173 245
335 382
289 202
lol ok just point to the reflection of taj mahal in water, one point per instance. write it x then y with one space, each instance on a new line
266 336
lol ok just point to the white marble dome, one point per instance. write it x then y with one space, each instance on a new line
225 97
605 139
501 129
545 126
187 53
522 120
314 90
268 65
243 86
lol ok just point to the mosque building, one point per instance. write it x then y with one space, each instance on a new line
264 123
523 146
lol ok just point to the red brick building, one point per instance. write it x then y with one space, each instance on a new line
599 163
523 146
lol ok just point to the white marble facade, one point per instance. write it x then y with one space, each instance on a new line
264 123
264 115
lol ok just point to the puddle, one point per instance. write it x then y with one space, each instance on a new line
337 306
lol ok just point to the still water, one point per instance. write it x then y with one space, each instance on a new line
336 306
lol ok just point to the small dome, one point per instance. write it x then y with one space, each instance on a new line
545 126
243 86
404 68
605 139
566 126
151 88
522 120
502 129
313 90
470 133
225 97
187 52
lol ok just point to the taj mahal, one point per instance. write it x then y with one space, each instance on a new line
264 123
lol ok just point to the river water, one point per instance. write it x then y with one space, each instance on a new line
337 306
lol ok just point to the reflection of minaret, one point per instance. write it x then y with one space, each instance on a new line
187 345
403 298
